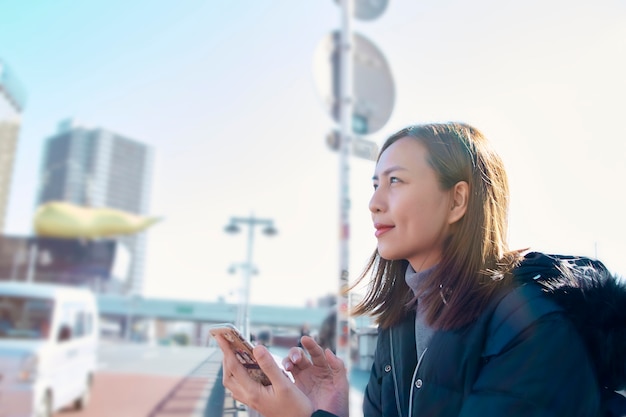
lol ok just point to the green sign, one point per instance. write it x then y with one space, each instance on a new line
184 309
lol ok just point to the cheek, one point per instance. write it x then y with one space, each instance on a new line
426 219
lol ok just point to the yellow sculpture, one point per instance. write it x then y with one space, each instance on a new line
67 220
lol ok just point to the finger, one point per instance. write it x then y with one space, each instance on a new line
335 363
229 359
296 359
315 351
296 354
229 381
287 364
234 375
223 344
269 366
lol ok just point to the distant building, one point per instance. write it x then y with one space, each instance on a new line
12 100
98 168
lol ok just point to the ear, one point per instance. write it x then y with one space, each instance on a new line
460 197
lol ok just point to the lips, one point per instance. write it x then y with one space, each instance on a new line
382 228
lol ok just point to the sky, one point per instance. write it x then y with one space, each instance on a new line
225 94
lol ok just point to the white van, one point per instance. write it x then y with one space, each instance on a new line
48 348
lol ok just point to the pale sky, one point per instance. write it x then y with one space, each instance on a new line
224 92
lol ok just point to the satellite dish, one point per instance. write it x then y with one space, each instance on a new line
368 9
374 91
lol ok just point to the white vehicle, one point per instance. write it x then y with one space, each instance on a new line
48 348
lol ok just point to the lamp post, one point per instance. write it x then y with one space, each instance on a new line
269 230
244 266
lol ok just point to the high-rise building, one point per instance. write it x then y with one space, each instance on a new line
12 99
98 168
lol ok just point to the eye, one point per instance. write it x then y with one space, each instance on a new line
394 180
375 185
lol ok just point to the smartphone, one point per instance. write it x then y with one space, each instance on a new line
242 349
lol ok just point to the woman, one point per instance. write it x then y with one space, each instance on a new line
459 335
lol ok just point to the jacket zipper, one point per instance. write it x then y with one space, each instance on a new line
393 373
419 361
395 379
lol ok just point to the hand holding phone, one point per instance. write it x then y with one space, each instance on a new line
242 349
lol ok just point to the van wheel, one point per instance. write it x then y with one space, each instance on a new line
82 401
45 406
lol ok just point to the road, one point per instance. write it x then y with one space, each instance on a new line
136 380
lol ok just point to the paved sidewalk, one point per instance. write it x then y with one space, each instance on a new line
217 400
200 394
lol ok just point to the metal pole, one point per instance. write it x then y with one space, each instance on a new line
17 259
32 262
248 277
129 319
343 301
241 299
243 313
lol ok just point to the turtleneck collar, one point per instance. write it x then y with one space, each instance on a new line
413 278
423 332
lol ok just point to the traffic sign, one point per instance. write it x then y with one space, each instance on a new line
359 147
374 90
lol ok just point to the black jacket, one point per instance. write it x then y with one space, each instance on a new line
554 346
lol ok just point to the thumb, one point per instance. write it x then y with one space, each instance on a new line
267 364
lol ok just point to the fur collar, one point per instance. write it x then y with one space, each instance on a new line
595 301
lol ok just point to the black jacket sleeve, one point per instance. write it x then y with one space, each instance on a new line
322 413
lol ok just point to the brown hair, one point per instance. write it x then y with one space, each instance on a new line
475 256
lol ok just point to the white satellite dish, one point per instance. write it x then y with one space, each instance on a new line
374 91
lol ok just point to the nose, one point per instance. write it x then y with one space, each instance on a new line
376 205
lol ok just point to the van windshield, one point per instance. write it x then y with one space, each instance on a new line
25 317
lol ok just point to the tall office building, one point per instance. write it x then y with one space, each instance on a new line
12 99
98 168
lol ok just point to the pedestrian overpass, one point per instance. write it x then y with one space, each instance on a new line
125 308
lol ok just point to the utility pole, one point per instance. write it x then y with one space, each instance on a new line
345 115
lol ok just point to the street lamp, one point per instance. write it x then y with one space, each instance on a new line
248 266
244 266
233 268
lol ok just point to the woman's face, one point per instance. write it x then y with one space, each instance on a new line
411 213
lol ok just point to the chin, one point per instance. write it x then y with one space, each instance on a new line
389 255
